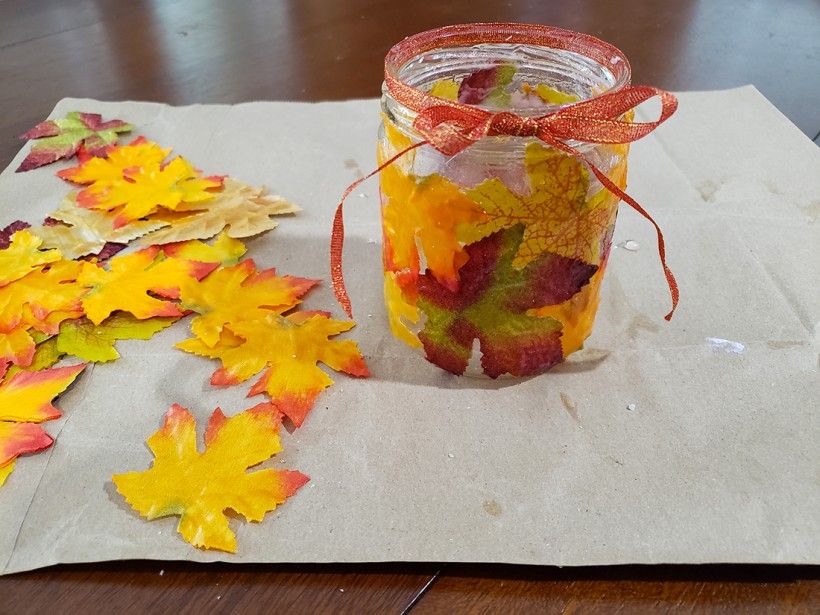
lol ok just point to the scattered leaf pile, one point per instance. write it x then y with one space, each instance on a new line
63 293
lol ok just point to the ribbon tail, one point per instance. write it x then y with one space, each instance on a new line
670 277
614 189
337 237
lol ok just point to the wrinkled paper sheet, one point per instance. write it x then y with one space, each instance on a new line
657 443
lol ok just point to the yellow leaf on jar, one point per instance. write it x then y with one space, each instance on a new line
399 310
433 211
556 215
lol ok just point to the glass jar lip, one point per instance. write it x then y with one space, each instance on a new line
605 54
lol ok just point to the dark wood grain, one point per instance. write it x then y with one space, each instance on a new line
181 587
631 589
195 51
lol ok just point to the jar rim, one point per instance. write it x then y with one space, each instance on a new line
552 37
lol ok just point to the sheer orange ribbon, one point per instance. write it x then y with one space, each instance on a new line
450 127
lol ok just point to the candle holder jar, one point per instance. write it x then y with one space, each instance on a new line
494 256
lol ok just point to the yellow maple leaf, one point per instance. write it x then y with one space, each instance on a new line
16 346
105 172
399 310
240 293
549 95
433 211
129 280
145 189
40 300
26 398
445 88
200 487
556 215
23 256
5 470
224 250
241 210
290 348
43 291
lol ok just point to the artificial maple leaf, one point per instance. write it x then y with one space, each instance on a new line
225 250
445 88
95 343
109 250
549 95
491 306
241 210
34 296
19 439
37 302
433 211
290 347
72 241
239 293
105 172
89 230
576 314
45 355
6 233
22 256
16 347
126 284
556 216
399 310
145 189
62 138
5 470
487 86
200 487
27 396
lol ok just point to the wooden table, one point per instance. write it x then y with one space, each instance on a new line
188 51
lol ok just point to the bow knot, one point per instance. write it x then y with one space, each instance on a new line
506 123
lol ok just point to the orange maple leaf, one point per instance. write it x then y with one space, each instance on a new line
136 183
288 348
240 293
105 172
26 398
22 256
434 211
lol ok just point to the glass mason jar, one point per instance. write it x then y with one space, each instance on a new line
493 257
